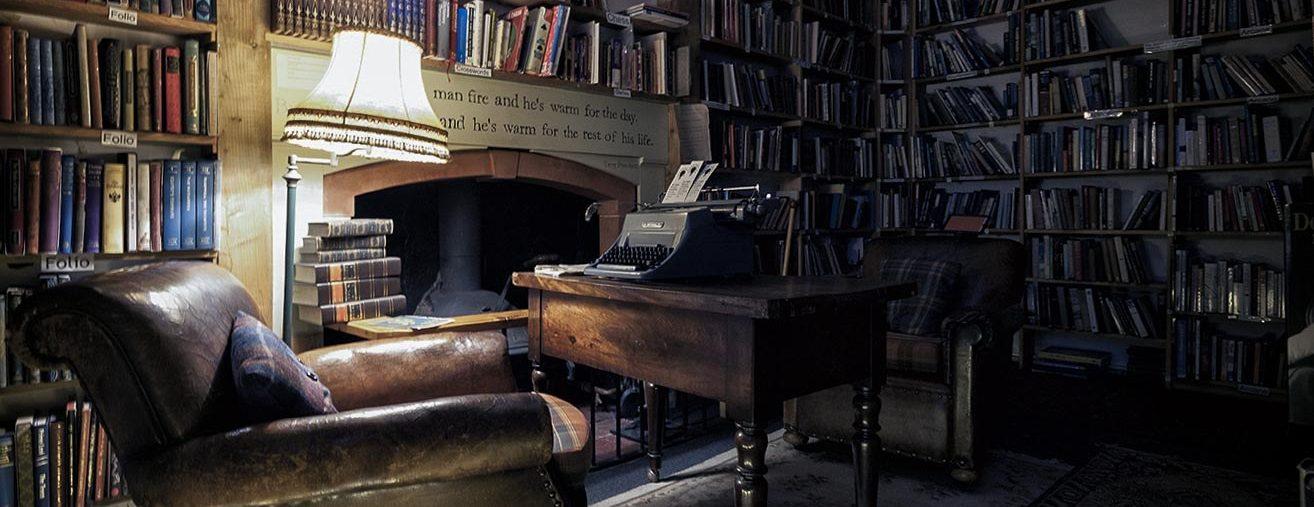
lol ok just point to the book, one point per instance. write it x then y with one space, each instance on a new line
171 204
32 202
15 170
80 42
173 91
130 202
191 77
22 107
342 255
334 228
95 200
311 244
71 84
8 495
205 203
345 291
157 90
94 88
351 270
51 171
59 113
68 184
111 84
112 208
35 112
58 462
41 461
187 206
356 310
128 91
47 82
6 81
24 465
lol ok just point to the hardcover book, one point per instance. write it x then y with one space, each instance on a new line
24 467
111 84
95 190
34 112
112 208
94 87
6 81
205 200
51 171
71 83
173 100
59 115
342 255
345 291
47 82
351 270
128 89
318 244
144 202
130 202
41 462
58 462
157 206
356 310
192 81
67 183
172 205
350 227
187 206
80 207
15 168
21 104
84 75
8 496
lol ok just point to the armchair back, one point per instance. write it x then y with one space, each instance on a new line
991 268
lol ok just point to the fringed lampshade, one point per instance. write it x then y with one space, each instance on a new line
370 99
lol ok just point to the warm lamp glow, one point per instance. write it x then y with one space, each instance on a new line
371 99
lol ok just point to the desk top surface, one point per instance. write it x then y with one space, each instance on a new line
765 297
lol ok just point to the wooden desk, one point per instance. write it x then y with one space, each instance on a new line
750 343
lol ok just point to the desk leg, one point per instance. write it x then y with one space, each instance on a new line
751 484
654 399
866 443
537 377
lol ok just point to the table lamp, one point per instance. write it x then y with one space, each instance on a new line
371 102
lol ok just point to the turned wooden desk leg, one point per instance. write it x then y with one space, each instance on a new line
866 418
751 483
537 377
654 398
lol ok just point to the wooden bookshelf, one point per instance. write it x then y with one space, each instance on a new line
98 14
80 133
203 255
24 399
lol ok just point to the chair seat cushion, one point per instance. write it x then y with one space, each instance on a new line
936 280
571 452
270 381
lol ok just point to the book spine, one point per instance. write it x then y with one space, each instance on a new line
15 169
192 82
95 199
8 495
58 462
353 227
130 187
6 82
356 290
50 172
187 206
358 310
357 270
22 107
111 86
157 89
173 100
47 82
94 88
205 204
80 207
111 228
71 83
34 82
128 89
67 184
157 206
84 75
59 115
172 203
317 244
24 468
144 203
41 462
342 255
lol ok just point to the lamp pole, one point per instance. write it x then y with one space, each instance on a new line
292 177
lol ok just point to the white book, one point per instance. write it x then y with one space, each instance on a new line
486 45
130 203
499 44
143 239
476 56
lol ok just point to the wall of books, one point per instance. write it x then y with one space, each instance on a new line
1142 152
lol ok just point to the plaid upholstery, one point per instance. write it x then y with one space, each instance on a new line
570 428
921 314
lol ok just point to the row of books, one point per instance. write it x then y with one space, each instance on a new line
832 207
1237 289
1252 138
820 256
838 51
63 458
958 52
892 61
778 218
1114 259
1054 33
936 12
894 110
748 147
1123 83
750 87
860 12
961 157
1234 207
12 371
1197 17
1219 77
105 84
199 10
58 203
758 27
957 105
1092 208
343 272
1201 353
1137 143
834 156
893 15
927 207
847 103
1071 361
1093 310
318 19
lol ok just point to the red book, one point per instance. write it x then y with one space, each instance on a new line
517 17
51 184
173 113
6 73
451 42
32 206
15 165
430 19
93 81
157 206
21 106
157 89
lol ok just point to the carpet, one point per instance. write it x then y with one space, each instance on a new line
1117 476
821 475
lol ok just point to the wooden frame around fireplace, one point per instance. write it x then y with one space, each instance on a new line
615 195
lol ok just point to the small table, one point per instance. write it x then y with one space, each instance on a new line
751 343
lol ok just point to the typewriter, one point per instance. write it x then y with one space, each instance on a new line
684 240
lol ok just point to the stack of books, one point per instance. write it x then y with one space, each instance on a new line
937 12
659 16
1071 362
1092 208
64 458
57 203
847 103
102 83
344 274
958 52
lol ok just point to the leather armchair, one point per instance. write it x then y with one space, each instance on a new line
933 382
431 420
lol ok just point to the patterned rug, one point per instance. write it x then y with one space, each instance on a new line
1117 476
822 475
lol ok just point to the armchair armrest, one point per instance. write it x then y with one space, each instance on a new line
971 333
976 328
305 458
403 370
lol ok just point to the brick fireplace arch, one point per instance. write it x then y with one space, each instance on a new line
614 195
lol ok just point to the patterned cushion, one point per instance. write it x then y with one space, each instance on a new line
271 382
921 314
570 428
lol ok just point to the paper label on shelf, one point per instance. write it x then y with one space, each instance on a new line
67 263
469 70
1262 99
619 19
118 138
1255 30
962 75
125 16
1172 44
620 92
1103 114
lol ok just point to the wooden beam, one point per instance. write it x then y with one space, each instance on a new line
245 119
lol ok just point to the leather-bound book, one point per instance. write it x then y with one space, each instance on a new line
41 461
352 270
192 82
350 227
80 208
111 85
34 113
15 167
157 206
93 83
143 87
354 254
144 201
32 204
23 465
95 189
47 82
187 206
172 204
58 462
59 114
83 475
71 452
72 84
157 89
84 74
345 291
113 194
318 244
356 310
102 462
51 189
6 73
173 101
67 184
21 107
128 93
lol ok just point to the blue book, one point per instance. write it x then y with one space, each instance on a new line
67 182
41 489
47 82
34 81
95 196
57 71
171 202
187 207
8 496
462 24
205 175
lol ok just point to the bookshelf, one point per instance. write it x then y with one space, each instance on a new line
1136 32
